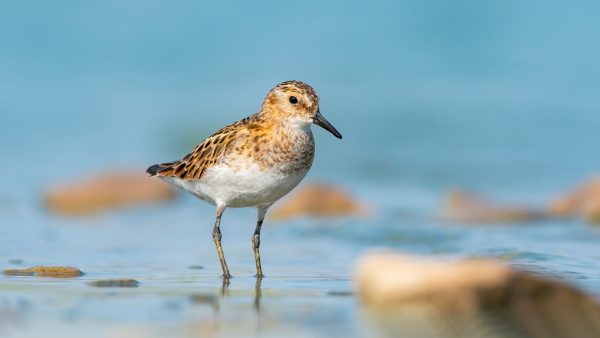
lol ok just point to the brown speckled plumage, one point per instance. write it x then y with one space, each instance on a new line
253 162
264 137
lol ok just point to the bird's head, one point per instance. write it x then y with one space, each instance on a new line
298 103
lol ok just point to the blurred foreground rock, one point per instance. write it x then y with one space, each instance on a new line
415 297
106 191
583 201
318 200
45 271
465 207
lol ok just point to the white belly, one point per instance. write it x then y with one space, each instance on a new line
246 187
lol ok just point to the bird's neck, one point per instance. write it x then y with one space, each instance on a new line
285 122
291 143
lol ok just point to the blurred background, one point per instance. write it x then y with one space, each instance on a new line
495 97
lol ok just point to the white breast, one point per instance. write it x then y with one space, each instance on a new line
237 188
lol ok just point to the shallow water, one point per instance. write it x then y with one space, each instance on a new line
308 289
496 97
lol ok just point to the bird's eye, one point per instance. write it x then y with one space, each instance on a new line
293 100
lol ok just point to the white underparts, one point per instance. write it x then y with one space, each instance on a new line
237 188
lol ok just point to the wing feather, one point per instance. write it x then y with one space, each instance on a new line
207 154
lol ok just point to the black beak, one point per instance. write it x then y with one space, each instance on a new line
319 120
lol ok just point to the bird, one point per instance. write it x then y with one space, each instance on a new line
254 161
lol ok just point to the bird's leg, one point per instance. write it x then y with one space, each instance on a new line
262 211
217 238
255 246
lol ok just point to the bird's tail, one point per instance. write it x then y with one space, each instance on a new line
163 169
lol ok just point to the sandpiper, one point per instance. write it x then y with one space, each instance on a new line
252 162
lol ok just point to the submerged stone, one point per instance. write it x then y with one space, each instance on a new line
203 298
115 283
18 272
340 293
46 271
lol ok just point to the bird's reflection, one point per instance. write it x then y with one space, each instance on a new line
257 291
257 294
225 287
224 292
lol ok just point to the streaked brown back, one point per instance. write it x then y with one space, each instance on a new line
206 154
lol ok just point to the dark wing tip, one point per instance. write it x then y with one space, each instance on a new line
162 169
153 169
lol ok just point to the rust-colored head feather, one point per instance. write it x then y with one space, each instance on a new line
291 99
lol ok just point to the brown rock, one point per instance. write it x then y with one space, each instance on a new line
465 207
393 278
46 271
319 200
106 191
18 272
410 296
115 283
389 278
583 201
